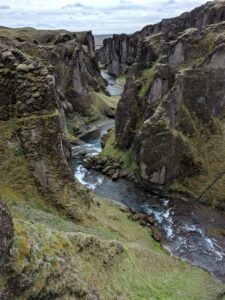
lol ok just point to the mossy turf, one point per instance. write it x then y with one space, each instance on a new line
112 151
209 184
102 105
107 253
121 80
14 168
146 79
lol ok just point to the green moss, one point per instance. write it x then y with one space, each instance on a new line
146 79
121 80
71 125
156 42
14 171
111 150
102 105
197 52
108 253
209 149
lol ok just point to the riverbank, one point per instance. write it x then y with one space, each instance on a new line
188 230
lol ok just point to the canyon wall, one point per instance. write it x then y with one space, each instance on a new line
171 114
45 77
52 246
122 51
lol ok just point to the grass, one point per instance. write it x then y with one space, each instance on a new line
211 150
111 150
146 79
71 127
102 105
121 80
14 168
108 252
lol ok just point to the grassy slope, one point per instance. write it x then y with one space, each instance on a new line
126 156
102 105
142 271
107 251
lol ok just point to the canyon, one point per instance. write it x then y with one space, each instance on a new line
171 114
112 161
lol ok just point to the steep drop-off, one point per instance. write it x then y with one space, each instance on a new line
77 75
121 51
171 114
52 244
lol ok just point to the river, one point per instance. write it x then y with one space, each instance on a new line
189 229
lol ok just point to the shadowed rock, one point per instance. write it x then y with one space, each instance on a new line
6 233
171 113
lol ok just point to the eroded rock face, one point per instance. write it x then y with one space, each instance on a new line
121 51
72 56
162 146
29 96
6 234
172 111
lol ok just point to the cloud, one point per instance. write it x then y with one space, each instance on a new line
101 16
5 7
170 2
125 1
76 5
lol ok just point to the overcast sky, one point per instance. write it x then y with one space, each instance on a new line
101 16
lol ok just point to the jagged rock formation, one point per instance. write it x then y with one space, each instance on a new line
121 51
77 74
46 253
32 109
172 111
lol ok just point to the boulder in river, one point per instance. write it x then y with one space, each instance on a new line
156 234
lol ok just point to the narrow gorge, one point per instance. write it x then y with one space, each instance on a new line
112 162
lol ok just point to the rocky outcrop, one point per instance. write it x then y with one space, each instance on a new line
111 167
162 145
171 114
31 111
121 51
72 56
46 253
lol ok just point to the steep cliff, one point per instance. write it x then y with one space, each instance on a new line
171 114
121 51
78 80
33 140
51 245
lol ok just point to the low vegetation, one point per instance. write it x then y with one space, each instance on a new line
111 150
107 254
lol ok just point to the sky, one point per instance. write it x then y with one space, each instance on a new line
100 16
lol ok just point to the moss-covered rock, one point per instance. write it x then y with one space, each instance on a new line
33 136
106 257
171 114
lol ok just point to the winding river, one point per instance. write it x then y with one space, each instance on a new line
189 229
